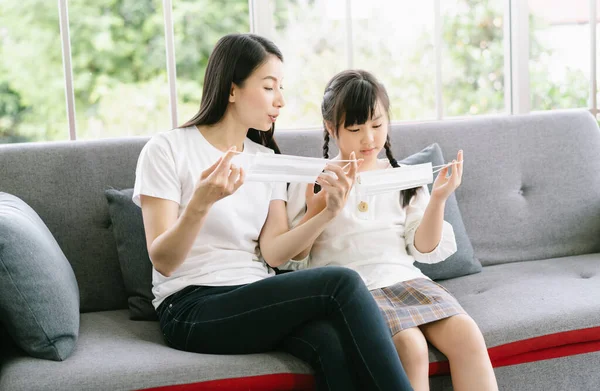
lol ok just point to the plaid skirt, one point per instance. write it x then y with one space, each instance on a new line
415 302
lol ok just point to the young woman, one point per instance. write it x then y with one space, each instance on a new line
204 224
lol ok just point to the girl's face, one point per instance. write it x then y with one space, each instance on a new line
365 140
257 102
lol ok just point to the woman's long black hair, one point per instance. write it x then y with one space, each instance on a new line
233 60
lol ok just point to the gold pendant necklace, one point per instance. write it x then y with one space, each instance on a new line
363 206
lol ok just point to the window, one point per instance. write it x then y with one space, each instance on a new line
311 36
136 68
472 58
32 88
436 58
198 25
119 71
394 40
559 61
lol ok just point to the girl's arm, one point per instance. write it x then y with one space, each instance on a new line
429 231
420 214
429 238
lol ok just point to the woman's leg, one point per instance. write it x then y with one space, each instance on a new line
459 338
319 344
413 351
257 317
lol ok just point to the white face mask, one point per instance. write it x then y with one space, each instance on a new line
269 167
376 182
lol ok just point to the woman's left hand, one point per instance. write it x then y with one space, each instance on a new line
445 185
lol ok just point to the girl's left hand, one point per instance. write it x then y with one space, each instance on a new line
445 185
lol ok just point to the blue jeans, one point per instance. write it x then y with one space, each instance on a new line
325 317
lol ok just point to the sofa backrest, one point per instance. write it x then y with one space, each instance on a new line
64 183
531 183
530 189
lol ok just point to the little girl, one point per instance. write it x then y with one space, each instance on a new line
402 227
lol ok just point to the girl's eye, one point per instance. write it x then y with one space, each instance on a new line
353 130
268 89
377 126
281 88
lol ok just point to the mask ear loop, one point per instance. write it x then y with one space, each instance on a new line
441 167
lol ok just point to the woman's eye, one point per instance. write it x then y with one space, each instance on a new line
268 89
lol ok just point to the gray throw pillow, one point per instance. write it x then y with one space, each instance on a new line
463 262
39 296
136 267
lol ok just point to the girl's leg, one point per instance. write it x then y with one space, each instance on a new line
319 344
459 338
257 317
413 351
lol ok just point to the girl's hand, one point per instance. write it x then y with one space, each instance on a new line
217 182
445 185
336 190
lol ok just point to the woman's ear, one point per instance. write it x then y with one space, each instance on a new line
232 93
330 129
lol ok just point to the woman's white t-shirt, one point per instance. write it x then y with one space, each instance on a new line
225 251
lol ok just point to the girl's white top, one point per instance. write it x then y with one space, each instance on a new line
377 243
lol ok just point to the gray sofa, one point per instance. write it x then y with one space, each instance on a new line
530 201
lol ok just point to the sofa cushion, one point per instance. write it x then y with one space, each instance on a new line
128 229
115 353
572 373
534 310
39 297
463 261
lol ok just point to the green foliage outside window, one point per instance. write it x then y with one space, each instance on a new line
120 78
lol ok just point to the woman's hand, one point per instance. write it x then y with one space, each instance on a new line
217 182
315 203
335 190
445 185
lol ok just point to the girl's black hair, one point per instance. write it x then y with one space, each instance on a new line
232 61
351 97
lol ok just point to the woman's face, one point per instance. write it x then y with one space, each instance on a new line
365 140
257 102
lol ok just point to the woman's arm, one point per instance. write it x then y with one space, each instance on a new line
307 216
279 244
169 239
